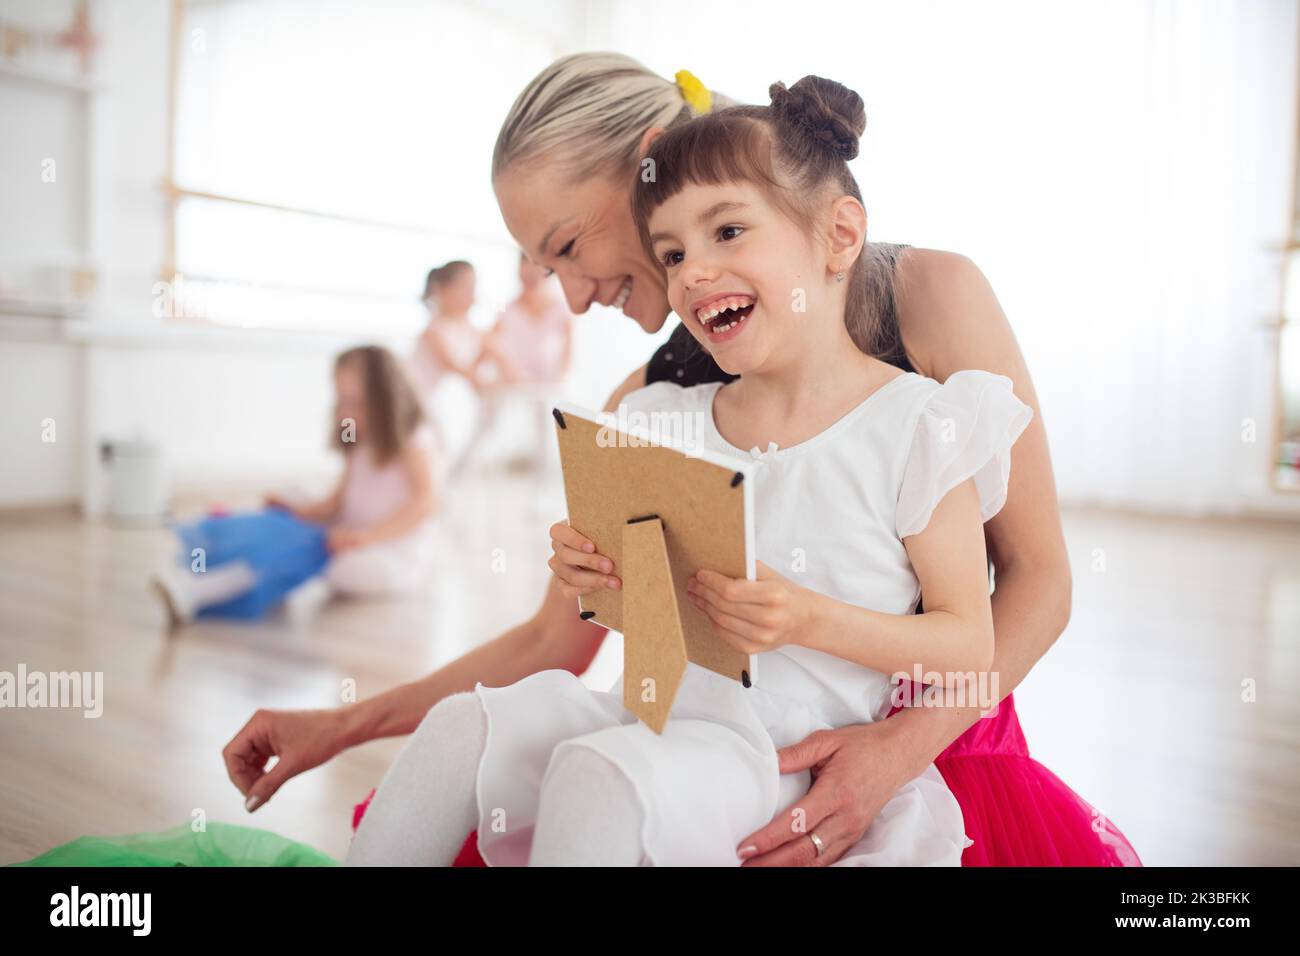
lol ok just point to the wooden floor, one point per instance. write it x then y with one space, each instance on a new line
1139 706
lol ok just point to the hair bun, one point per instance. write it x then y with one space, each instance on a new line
830 112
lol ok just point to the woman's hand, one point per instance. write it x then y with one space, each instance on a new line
345 539
754 616
855 771
300 739
577 565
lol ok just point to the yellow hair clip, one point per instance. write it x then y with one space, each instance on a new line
695 93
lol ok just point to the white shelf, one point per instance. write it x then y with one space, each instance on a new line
47 308
48 77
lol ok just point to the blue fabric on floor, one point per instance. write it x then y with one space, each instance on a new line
283 550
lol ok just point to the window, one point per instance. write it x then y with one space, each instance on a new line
327 154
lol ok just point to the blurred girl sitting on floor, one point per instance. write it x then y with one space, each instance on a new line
374 529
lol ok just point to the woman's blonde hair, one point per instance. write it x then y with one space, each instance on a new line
586 114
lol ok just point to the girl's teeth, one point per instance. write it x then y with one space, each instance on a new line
711 311
722 328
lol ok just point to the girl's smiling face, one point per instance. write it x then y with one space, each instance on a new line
740 274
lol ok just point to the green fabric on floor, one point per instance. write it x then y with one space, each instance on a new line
221 844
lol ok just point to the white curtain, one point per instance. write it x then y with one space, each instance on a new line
1120 171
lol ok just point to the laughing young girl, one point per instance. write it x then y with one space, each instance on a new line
874 487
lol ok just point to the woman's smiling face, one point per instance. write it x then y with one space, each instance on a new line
740 274
585 234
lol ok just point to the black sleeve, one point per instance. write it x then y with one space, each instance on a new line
685 362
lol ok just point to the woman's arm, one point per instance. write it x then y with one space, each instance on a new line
950 320
953 321
553 638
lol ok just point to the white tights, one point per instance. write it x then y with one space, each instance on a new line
588 814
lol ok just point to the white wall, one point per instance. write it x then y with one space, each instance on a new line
40 210
42 222
40 382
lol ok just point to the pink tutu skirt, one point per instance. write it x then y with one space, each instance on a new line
1017 811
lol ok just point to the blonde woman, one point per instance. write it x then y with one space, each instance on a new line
564 166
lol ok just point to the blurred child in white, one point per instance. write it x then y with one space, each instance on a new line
379 514
450 344
531 342
525 357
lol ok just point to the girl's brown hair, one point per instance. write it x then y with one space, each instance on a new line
392 408
797 150
439 276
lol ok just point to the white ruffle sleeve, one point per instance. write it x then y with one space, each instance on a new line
966 429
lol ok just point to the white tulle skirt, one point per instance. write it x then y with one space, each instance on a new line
709 781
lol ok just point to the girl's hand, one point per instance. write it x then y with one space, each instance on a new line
753 616
345 539
275 501
575 562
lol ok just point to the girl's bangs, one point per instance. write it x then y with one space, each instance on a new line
707 151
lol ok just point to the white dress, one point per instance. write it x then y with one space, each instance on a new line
830 513
371 495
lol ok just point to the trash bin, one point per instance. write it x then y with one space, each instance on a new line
137 481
